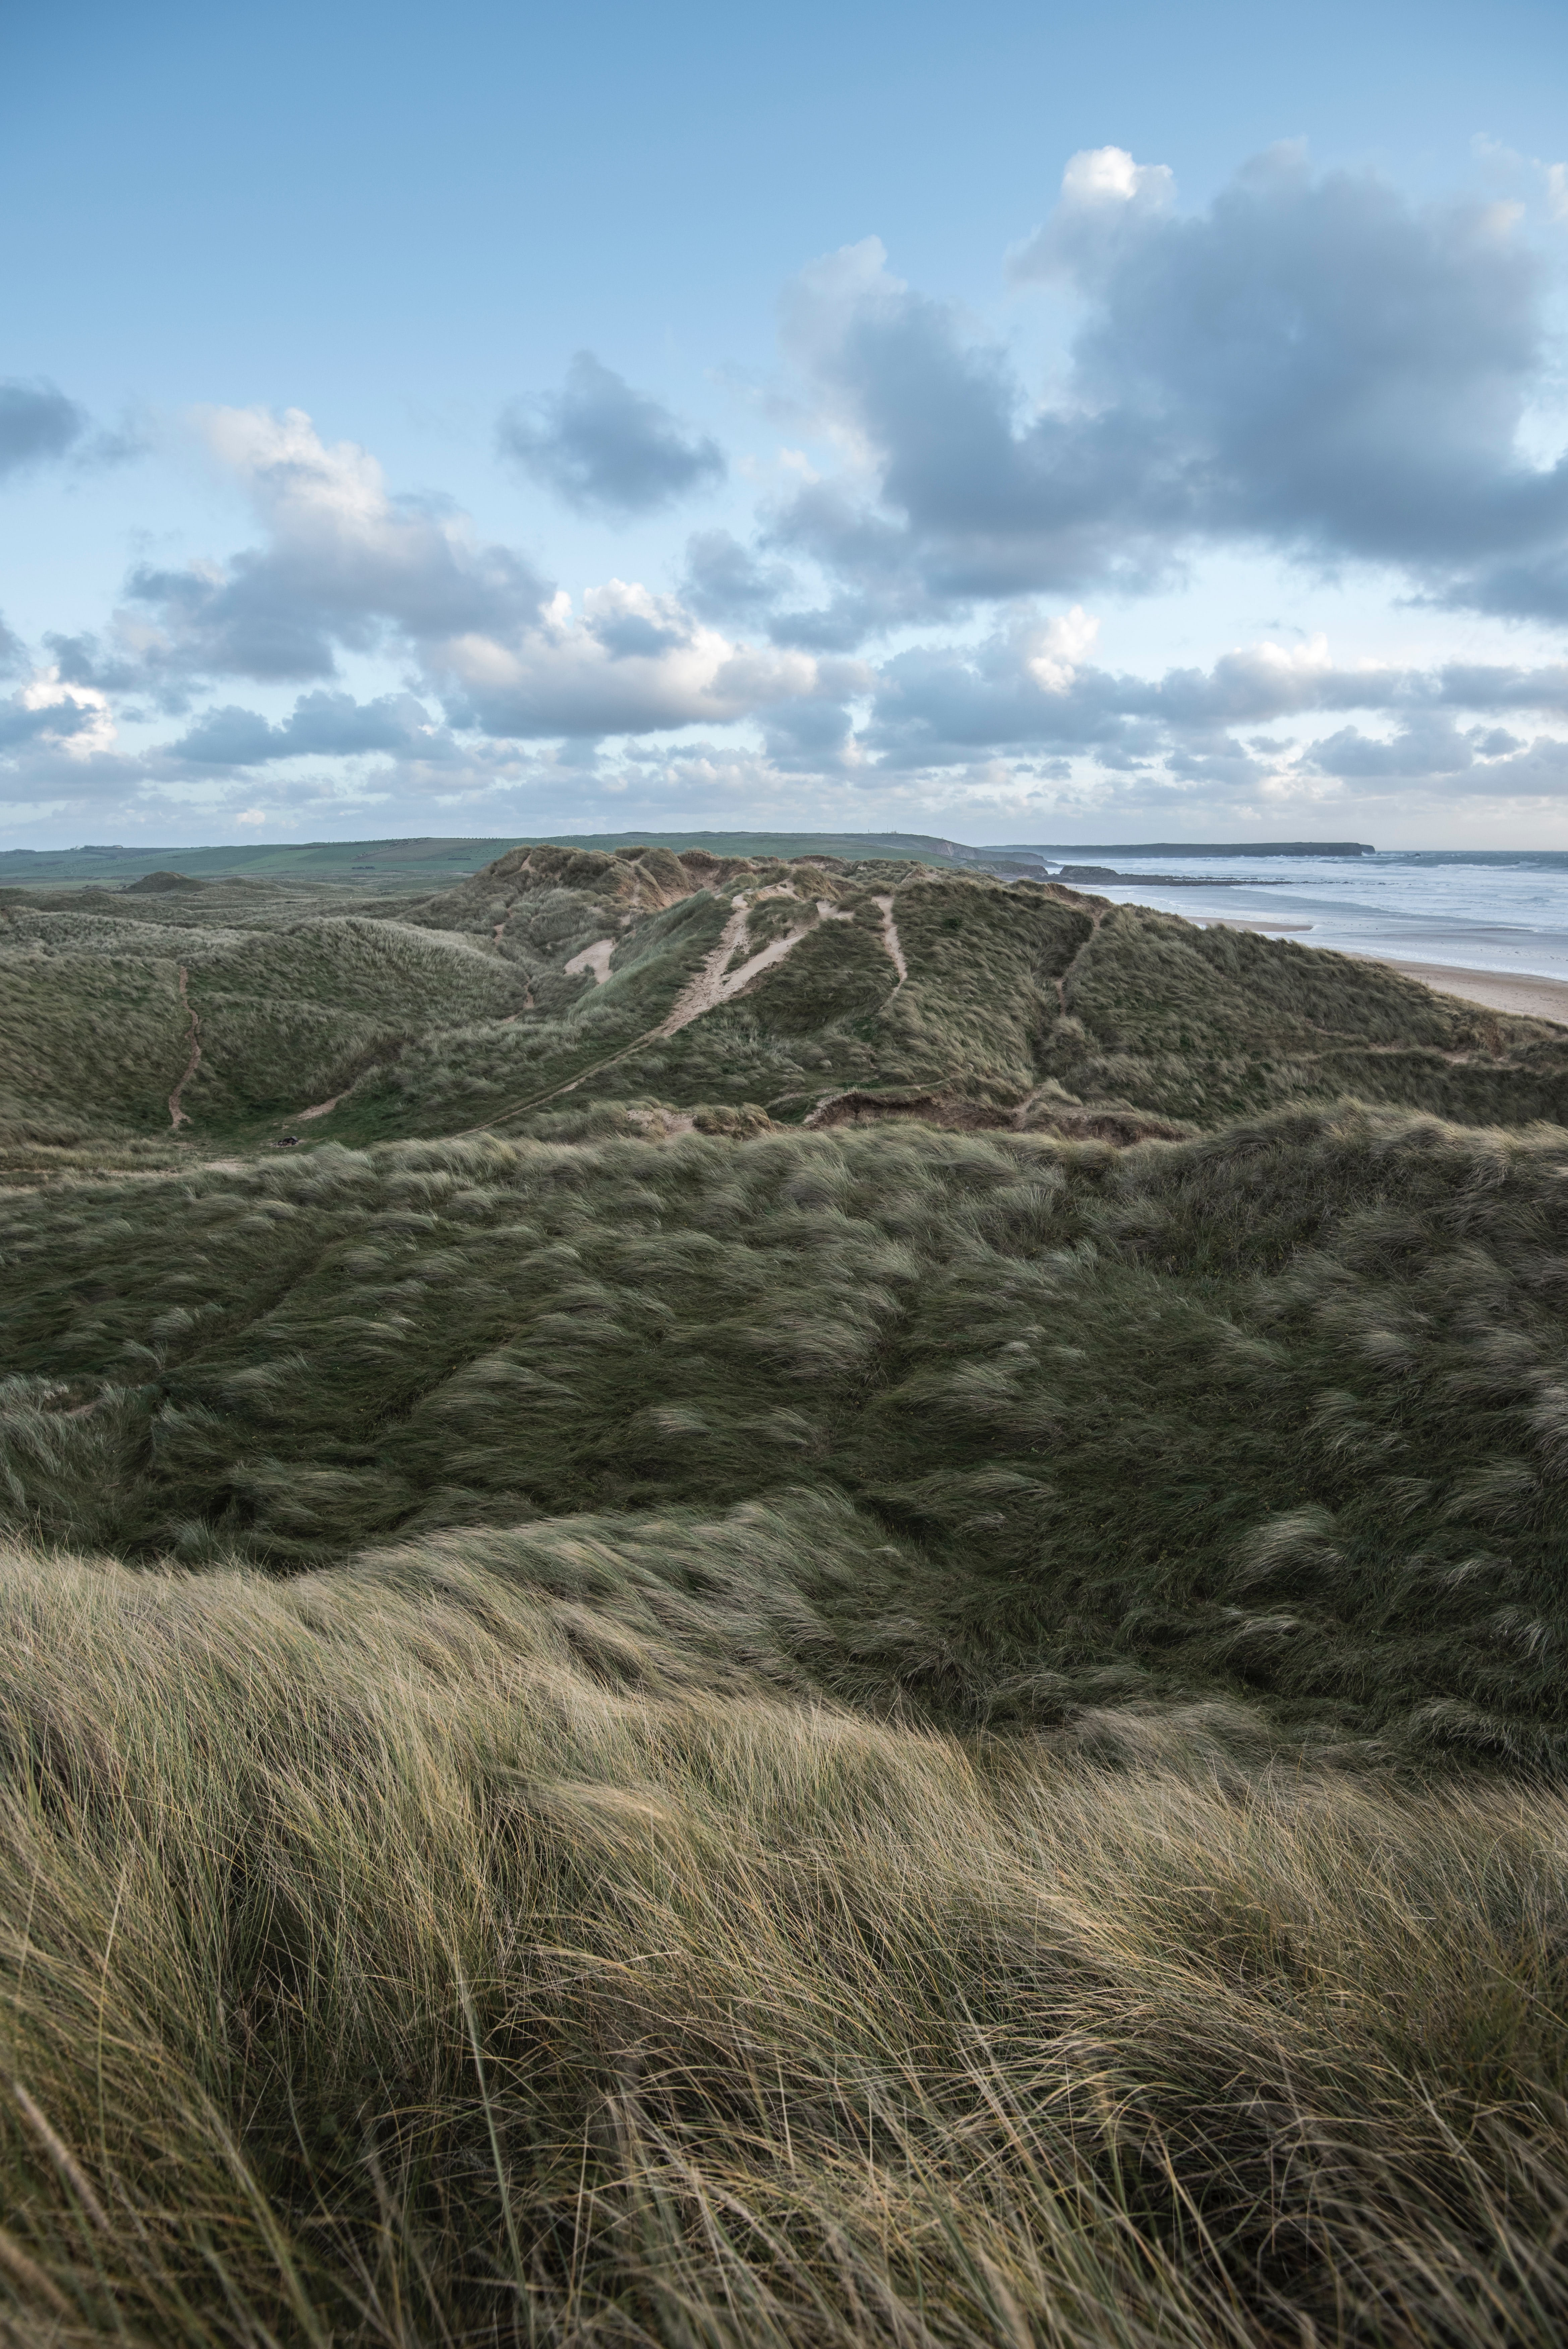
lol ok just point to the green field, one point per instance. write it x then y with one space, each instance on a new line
768 1602
375 864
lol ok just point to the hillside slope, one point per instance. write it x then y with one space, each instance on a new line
558 983
774 1605
1278 1412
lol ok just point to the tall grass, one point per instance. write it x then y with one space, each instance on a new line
1280 1411
882 1735
390 1956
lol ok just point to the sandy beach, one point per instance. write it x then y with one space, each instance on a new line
1525 997
1498 991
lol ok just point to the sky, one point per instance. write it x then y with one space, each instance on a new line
1016 423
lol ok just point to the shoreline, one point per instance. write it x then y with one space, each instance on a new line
1525 998
1522 997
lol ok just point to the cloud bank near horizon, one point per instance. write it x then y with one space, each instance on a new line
1312 370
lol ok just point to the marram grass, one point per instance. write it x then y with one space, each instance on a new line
388 1958
927 1732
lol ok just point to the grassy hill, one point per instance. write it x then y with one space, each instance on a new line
377 863
1279 1418
837 1618
564 984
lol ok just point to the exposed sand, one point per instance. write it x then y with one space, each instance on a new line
1524 997
891 940
595 958
1497 990
715 983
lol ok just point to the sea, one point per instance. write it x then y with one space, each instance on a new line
1473 909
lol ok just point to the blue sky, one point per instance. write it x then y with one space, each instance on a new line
1018 423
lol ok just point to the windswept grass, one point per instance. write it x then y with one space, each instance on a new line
430 1016
397 1956
1280 1411
675 1730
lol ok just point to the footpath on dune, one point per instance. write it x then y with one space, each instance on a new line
714 985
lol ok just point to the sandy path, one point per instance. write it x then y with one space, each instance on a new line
890 940
595 958
177 1116
713 984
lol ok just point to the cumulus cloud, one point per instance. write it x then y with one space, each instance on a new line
1310 367
1312 364
1030 687
330 724
629 662
607 448
812 738
37 422
726 581
1433 752
70 720
1106 199
346 567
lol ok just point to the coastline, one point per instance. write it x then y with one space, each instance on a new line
1526 996
1495 990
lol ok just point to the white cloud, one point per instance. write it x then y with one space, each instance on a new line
1061 646
1102 190
1311 369
90 726
345 565
607 448
630 663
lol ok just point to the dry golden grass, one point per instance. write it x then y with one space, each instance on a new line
396 1955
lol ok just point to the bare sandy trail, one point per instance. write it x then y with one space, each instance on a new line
714 983
891 941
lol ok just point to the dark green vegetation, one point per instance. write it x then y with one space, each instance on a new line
358 864
840 1621
371 864
1278 1413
